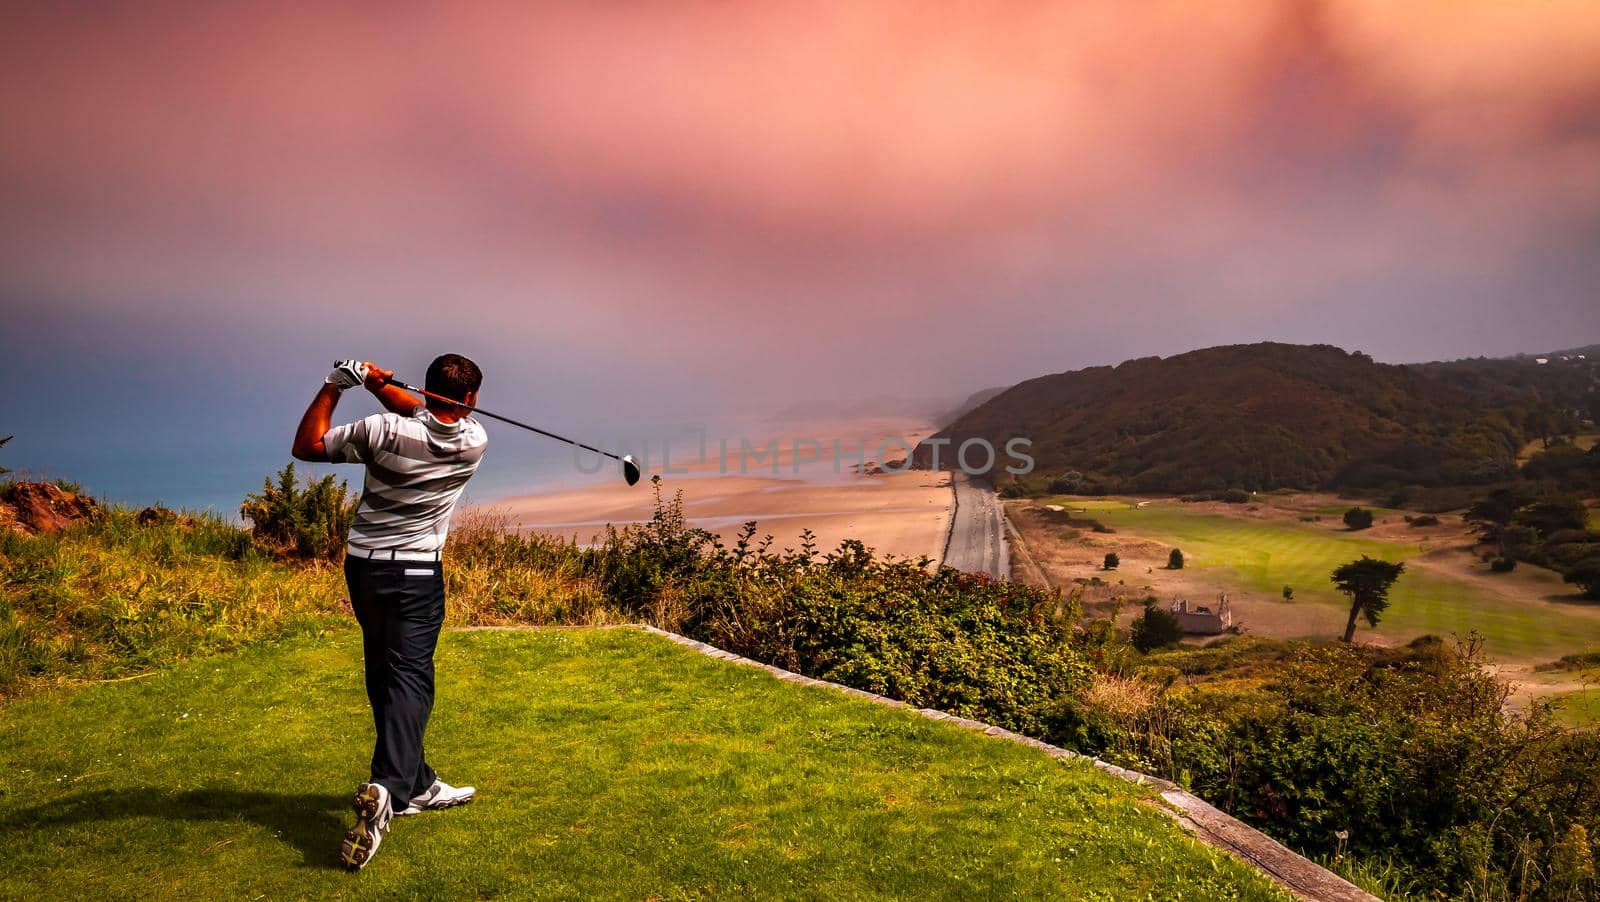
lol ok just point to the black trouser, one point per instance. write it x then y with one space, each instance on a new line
400 606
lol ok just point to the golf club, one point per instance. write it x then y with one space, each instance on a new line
630 468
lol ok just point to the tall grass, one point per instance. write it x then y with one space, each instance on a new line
117 597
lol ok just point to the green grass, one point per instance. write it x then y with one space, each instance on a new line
1265 555
610 764
1091 504
1579 708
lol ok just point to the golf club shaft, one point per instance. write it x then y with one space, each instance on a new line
544 432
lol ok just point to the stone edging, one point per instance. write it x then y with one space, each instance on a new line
1301 876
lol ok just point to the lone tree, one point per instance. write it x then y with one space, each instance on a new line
1175 560
1156 628
1358 518
1112 560
1367 582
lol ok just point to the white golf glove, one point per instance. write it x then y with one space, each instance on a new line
347 374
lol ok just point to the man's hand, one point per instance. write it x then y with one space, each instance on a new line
377 377
393 398
348 374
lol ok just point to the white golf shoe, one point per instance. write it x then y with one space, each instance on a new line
360 842
439 795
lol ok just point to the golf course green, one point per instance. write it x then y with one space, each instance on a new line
609 764
1264 555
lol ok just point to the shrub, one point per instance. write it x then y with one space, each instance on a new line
1235 496
1288 593
1068 483
1400 497
1175 560
1027 485
1156 628
1112 561
1358 518
308 522
1548 516
1409 754
1424 520
1586 575
1503 564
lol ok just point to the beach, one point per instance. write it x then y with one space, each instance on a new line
793 479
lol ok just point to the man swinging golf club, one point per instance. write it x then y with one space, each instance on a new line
418 458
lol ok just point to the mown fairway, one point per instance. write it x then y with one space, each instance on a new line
1263 556
610 764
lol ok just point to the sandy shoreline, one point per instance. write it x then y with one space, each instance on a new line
905 514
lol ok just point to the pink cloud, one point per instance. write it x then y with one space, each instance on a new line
857 160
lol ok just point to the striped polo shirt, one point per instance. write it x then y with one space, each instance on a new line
416 469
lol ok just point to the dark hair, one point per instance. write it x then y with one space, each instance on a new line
453 376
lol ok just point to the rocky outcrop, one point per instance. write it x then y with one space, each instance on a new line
36 507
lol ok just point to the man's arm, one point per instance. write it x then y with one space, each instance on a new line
393 398
314 425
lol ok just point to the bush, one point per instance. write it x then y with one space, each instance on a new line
1156 628
1358 518
1068 483
1407 755
1288 593
1503 564
1235 496
1175 560
1586 575
1424 520
1027 485
1112 561
308 522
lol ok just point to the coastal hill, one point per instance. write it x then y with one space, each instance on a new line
1273 415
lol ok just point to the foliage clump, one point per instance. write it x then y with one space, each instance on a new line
1358 518
308 521
1409 754
1156 627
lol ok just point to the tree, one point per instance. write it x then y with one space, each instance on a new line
2 443
1586 575
1358 518
1549 515
1175 560
1156 628
1367 582
1068 483
1490 514
1112 560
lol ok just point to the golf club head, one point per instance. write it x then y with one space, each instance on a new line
630 469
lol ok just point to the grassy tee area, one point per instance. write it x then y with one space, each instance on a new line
610 764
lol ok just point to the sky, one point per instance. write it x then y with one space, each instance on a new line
631 212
